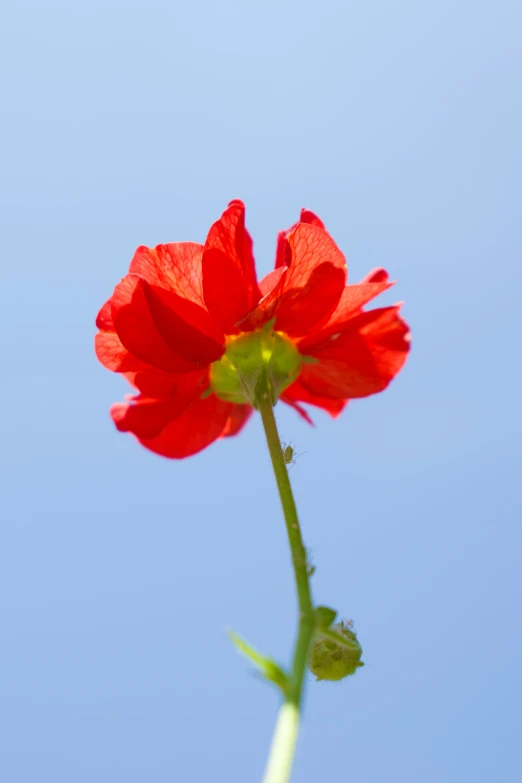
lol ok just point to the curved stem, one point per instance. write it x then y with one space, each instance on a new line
285 736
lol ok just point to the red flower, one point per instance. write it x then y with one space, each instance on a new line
169 322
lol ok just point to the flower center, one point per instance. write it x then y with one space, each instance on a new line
253 365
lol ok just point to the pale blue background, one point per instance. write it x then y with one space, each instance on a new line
126 123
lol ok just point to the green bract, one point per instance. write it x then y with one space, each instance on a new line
336 653
253 364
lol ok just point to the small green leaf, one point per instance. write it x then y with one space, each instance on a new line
269 669
325 616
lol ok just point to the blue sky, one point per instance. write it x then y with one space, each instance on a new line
127 124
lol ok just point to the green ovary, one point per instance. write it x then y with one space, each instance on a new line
253 365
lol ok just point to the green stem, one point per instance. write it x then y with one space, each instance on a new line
285 736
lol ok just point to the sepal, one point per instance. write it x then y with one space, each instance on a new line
325 616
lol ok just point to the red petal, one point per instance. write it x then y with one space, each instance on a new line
307 216
226 297
309 291
138 331
311 247
108 346
175 266
270 281
282 250
297 393
237 420
201 424
354 297
282 259
302 309
229 275
114 356
360 359
146 415
377 275
185 326
104 317
167 386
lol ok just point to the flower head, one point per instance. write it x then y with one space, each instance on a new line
197 336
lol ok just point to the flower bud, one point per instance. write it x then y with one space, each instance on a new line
336 653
